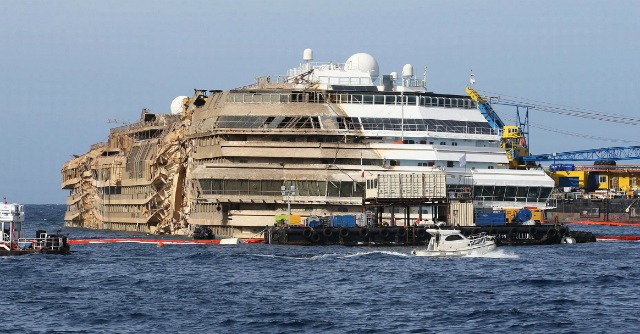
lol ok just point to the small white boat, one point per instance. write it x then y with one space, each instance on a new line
453 243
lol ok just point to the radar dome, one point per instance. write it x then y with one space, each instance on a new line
363 62
307 55
176 104
407 70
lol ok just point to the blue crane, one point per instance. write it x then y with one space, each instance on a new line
605 153
513 137
522 157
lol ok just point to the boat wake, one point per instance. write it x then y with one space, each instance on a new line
495 254
358 254
333 255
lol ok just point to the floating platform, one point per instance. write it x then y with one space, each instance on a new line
417 236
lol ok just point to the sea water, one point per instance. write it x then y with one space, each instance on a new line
143 288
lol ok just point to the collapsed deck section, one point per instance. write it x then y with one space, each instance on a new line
127 183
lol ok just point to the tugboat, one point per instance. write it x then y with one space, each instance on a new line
454 243
12 241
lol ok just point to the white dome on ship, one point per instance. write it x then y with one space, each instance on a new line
307 55
363 62
176 104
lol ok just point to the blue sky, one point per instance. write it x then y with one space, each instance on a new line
68 67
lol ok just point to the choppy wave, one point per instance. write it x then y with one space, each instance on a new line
132 288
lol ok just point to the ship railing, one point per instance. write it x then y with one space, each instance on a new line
163 121
259 234
408 82
476 239
460 194
216 129
267 81
223 231
306 67
524 201
371 127
98 145
428 128
345 97
50 242
609 168
115 215
119 197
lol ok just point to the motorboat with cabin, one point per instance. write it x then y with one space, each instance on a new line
446 242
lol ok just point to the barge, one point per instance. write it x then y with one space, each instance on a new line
544 234
599 193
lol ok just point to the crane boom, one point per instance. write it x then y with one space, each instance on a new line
605 153
485 108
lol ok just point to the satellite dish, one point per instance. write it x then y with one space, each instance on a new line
177 105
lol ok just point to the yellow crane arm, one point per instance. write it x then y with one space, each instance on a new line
474 95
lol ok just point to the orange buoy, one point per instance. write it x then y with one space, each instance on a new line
160 244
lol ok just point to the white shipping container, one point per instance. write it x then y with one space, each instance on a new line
410 185
461 214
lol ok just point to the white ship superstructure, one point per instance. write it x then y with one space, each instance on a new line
323 129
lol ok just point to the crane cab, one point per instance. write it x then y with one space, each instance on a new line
511 132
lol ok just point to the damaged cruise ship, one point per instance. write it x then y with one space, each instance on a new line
307 143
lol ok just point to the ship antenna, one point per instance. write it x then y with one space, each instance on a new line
425 77
402 114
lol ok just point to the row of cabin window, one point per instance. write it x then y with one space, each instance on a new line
273 187
206 207
355 123
127 208
351 189
430 164
427 101
424 142
512 193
